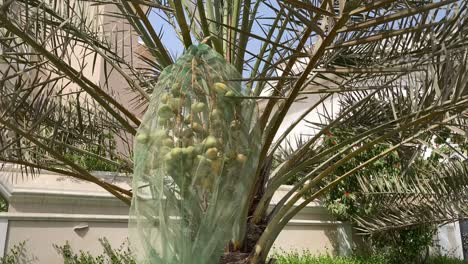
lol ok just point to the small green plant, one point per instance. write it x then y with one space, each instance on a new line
92 163
445 260
349 200
3 204
346 201
97 157
308 258
121 255
410 245
17 255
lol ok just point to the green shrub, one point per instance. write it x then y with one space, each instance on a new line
348 200
122 255
96 157
294 258
308 258
445 260
17 255
410 245
3 204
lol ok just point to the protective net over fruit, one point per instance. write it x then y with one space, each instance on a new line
195 155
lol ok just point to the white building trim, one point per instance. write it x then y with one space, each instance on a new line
62 217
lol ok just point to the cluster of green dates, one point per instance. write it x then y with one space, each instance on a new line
195 155
199 134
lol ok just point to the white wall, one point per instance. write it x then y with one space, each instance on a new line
42 232
50 208
448 240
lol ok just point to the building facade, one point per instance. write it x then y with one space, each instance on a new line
49 209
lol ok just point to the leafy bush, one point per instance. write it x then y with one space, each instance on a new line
445 260
17 255
93 159
91 163
348 200
408 245
122 255
3 204
307 258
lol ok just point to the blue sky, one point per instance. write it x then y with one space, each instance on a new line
169 37
175 46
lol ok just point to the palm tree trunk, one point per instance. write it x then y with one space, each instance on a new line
252 233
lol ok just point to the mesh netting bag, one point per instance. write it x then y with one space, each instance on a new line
195 155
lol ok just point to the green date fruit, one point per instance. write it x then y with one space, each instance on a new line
230 94
198 148
176 153
197 128
210 142
168 142
162 121
176 89
188 151
212 153
198 107
241 158
220 88
175 104
167 157
216 114
165 111
164 150
165 97
217 123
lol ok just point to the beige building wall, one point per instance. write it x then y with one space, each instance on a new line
41 233
50 209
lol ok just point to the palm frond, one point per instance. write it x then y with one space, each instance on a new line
392 72
430 195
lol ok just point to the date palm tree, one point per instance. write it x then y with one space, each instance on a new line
392 71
